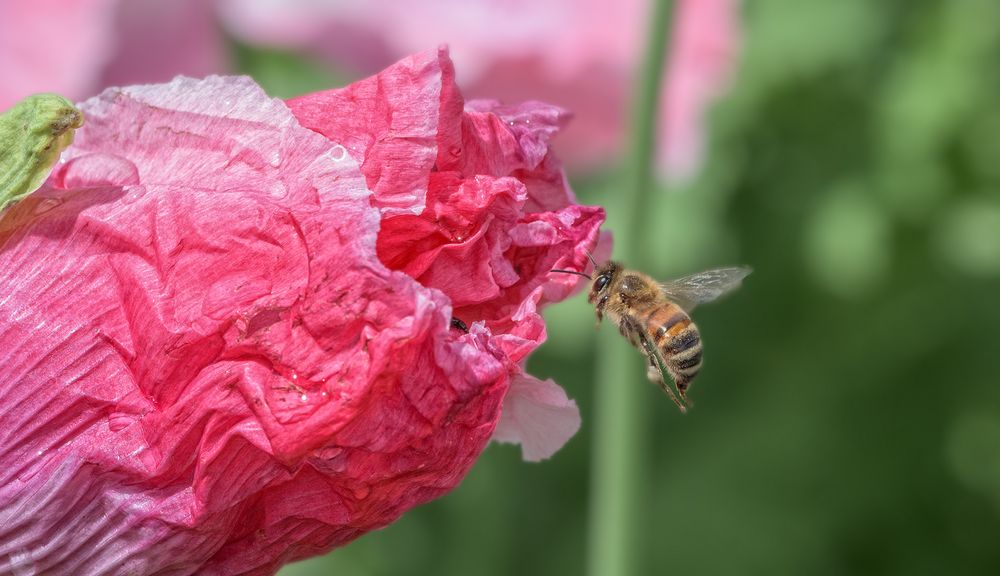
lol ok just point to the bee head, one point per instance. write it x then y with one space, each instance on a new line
603 276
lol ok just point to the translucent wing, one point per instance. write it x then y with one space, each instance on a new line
702 287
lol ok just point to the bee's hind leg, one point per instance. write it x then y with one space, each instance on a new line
656 372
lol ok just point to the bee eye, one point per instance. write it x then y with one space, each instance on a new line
601 282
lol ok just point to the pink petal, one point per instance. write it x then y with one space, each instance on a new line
538 416
702 62
390 125
497 214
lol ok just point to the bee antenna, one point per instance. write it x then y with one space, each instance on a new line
587 276
591 256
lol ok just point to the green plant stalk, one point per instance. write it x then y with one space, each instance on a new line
617 465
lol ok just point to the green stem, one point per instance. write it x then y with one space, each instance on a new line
617 472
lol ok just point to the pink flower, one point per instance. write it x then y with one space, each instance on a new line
52 46
208 368
575 53
77 47
703 51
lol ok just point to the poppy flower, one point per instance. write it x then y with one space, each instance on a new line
236 333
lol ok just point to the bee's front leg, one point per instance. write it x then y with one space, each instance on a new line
625 299
599 308
631 330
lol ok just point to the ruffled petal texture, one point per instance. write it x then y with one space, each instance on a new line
483 210
206 367
226 330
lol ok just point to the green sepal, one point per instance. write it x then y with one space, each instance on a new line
33 134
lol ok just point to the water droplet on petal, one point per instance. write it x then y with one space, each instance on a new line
132 194
338 153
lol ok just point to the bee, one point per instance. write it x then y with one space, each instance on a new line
655 317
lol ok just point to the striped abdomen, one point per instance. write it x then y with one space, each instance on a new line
677 339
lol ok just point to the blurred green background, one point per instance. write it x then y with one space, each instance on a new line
847 420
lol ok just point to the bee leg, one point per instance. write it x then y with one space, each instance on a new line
459 325
632 332
599 308
657 372
624 298
653 372
682 385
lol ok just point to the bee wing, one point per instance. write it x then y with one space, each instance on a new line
702 287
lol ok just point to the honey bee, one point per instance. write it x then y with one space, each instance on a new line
655 318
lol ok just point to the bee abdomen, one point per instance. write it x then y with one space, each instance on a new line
663 323
678 341
683 355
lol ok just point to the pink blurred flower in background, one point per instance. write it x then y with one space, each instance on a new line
208 368
578 54
79 47
53 46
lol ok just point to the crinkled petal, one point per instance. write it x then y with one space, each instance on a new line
539 416
461 237
504 138
497 215
389 124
